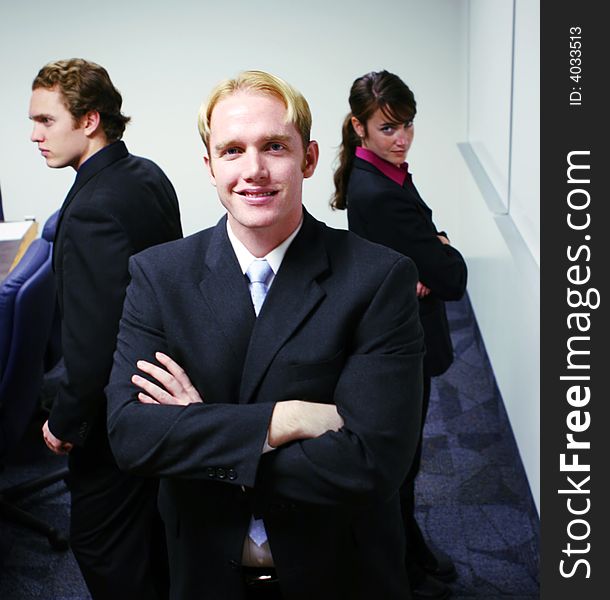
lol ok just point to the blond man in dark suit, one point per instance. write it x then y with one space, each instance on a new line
284 434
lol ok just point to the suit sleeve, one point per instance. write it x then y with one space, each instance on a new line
398 224
378 394
174 441
94 261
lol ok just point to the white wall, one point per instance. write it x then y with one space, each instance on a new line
501 238
525 155
503 108
165 56
489 100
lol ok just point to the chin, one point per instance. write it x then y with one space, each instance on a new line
252 220
57 164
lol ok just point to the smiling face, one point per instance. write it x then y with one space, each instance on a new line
61 141
257 163
387 139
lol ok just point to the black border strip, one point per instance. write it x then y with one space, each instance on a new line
573 120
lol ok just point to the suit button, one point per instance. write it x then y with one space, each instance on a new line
221 473
232 474
211 472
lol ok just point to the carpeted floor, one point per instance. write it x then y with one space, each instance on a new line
473 499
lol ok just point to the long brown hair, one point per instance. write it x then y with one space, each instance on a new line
375 90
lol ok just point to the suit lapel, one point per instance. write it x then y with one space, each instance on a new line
410 188
226 293
57 242
292 296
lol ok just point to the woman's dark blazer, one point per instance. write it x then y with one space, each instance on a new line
382 211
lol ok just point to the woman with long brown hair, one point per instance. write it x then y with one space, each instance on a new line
373 183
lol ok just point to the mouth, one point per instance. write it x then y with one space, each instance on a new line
256 197
43 151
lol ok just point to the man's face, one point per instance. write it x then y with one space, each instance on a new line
257 163
59 139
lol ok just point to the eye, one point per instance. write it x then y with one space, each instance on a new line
408 124
276 147
232 151
387 129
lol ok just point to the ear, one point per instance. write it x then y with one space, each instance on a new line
91 123
208 164
358 127
311 159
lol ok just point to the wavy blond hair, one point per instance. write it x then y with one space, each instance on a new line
297 109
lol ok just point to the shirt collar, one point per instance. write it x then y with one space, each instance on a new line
274 258
396 174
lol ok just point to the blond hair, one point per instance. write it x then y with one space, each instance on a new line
297 109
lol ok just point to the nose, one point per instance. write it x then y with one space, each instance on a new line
255 168
402 137
36 133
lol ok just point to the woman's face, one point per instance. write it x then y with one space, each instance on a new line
388 140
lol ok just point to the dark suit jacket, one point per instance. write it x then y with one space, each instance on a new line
119 204
339 325
380 210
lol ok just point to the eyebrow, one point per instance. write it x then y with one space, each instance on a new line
280 137
396 123
40 116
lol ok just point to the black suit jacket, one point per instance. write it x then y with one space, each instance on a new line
119 204
339 325
380 210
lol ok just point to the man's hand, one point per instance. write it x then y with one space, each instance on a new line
422 291
55 444
291 420
299 420
177 387
444 240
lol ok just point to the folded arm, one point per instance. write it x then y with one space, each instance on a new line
291 420
166 431
401 226
378 395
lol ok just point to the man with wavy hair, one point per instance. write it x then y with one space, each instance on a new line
118 205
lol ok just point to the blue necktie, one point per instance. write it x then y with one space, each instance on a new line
259 273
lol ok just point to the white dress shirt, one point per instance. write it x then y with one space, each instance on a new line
254 555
